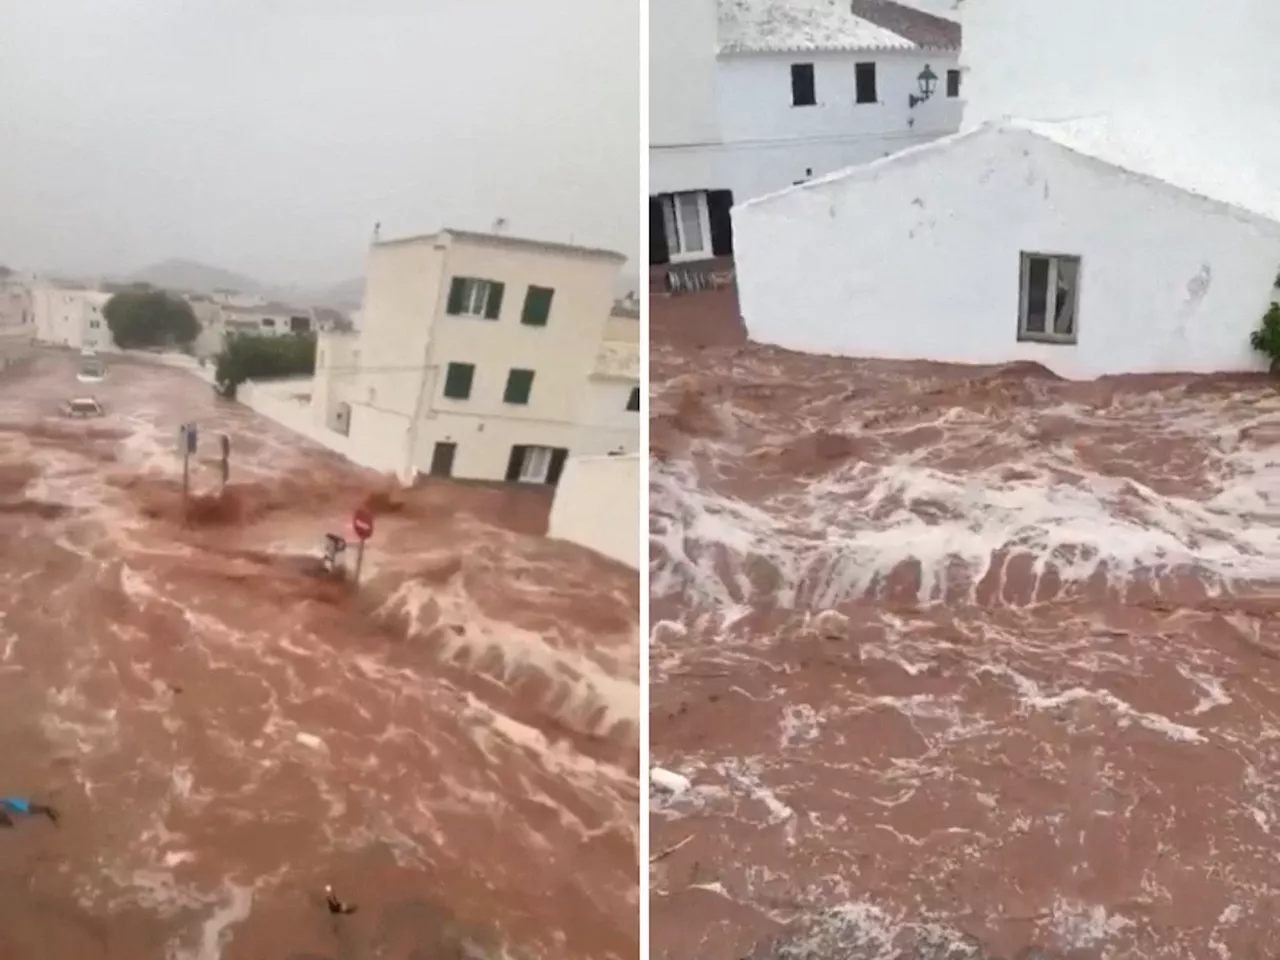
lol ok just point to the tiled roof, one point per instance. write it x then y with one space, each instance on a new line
776 26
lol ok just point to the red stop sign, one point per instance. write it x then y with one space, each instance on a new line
362 523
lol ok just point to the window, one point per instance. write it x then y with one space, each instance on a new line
633 401
469 297
803 91
864 83
300 324
457 380
536 464
953 83
1049 298
519 386
93 324
685 222
537 306
268 322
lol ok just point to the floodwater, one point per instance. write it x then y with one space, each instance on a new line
962 662
453 746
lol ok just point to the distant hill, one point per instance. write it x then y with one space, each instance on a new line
187 276
347 295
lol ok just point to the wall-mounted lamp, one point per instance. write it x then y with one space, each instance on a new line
928 81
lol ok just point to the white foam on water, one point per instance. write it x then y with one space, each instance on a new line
840 535
592 691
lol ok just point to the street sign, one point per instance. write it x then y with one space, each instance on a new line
362 523
187 438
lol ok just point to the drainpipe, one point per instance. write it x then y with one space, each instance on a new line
422 405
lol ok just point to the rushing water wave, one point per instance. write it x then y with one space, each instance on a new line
954 662
453 745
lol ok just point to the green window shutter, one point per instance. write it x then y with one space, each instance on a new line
537 306
457 295
519 386
457 380
494 305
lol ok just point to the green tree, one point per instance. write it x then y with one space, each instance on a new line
250 357
150 318
1266 339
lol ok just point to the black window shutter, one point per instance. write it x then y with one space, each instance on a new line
457 380
537 306
803 90
558 457
514 463
494 306
719 203
658 252
519 386
864 76
457 292
633 401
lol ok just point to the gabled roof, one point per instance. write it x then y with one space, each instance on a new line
793 26
1162 162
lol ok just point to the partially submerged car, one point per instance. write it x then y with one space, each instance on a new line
83 407
91 370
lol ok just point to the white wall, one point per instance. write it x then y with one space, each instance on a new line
376 440
918 257
598 506
1205 67
755 97
765 144
683 40
70 317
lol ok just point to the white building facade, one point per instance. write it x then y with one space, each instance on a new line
598 505
1101 212
483 357
749 97
70 317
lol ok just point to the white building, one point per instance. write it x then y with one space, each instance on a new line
16 308
597 506
70 316
483 357
750 96
1113 241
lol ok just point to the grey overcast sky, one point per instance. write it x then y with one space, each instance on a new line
267 136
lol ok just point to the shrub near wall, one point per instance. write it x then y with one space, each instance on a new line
248 357
1266 339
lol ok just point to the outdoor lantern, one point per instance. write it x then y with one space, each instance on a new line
928 81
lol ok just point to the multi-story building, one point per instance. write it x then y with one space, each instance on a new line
752 96
70 316
483 356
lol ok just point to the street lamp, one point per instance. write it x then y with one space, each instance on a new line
928 81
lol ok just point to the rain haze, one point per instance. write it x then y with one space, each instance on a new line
268 138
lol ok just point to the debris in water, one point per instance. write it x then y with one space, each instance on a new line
673 783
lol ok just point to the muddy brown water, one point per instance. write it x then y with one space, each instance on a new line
962 662
453 746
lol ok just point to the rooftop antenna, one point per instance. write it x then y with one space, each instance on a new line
500 225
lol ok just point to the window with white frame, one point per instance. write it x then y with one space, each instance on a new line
1049 298
474 296
687 224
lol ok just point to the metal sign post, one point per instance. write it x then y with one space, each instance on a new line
362 525
225 443
187 438
333 546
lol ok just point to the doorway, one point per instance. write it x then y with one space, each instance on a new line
542 465
442 459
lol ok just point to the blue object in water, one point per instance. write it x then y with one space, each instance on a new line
16 804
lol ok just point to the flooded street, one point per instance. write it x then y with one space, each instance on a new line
962 662
454 746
